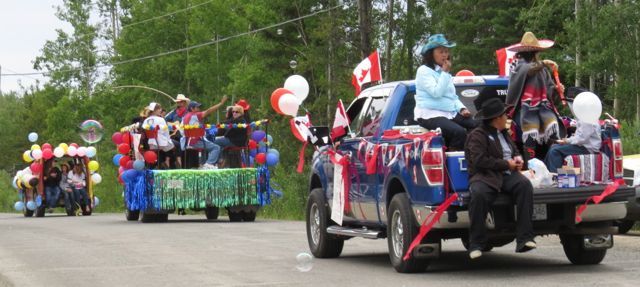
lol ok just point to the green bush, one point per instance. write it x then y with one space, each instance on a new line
630 137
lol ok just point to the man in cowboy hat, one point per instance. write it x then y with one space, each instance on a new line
531 90
181 109
494 165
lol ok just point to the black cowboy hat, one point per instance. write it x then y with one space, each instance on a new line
491 108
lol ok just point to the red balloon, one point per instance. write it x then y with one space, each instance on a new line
36 167
116 138
124 148
150 157
46 146
261 158
74 145
123 161
129 165
47 153
126 138
275 98
253 144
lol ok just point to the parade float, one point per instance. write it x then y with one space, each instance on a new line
151 193
41 159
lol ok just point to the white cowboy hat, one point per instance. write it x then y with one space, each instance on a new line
181 98
530 43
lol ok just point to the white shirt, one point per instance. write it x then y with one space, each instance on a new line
76 180
164 139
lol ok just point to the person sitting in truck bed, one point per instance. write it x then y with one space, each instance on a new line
494 165
437 105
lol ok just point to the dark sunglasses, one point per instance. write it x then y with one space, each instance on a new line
236 112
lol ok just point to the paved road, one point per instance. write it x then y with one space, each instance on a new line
105 250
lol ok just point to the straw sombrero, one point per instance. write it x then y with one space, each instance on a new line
530 43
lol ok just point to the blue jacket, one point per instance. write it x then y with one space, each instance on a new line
435 90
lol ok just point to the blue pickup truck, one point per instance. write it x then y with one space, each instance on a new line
395 182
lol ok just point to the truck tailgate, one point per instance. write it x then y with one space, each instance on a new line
564 195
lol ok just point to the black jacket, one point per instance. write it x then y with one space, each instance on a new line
484 156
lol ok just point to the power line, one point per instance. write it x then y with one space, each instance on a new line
189 47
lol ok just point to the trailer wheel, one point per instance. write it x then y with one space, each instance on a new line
132 215
40 210
321 243
402 229
234 216
575 252
249 216
212 212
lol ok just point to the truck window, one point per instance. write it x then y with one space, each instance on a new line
371 119
467 94
405 115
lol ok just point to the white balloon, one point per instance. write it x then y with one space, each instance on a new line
91 151
33 137
72 151
81 151
298 85
587 107
289 104
58 152
37 154
96 178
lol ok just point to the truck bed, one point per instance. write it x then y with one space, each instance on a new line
563 195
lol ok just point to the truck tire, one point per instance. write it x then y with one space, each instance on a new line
624 226
70 212
147 217
27 212
162 217
401 230
211 212
321 243
249 216
575 252
132 215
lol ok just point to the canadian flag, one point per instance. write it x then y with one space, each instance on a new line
506 60
367 71
340 123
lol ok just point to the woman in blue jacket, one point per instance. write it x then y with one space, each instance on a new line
437 105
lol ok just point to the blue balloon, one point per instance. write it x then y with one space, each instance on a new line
31 205
253 153
269 139
138 164
262 149
258 135
33 137
130 175
251 161
273 150
272 159
19 206
38 200
96 201
116 159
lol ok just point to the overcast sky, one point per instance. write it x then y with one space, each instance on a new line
25 25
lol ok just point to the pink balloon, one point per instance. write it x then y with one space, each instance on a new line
47 153
36 167
116 138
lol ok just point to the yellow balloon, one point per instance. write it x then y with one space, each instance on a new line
64 146
35 147
94 165
26 156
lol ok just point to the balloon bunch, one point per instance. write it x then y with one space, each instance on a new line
123 159
259 150
287 100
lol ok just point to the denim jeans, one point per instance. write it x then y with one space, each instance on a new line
52 193
69 200
212 149
81 196
557 153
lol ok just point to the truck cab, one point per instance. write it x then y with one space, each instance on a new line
398 174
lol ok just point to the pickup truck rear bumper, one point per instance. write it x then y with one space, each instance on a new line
613 207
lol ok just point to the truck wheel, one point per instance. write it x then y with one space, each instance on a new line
70 212
321 243
249 216
132 215
40 211
162 217
401 232
211 212
624 226
575 252
27 212
147 217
